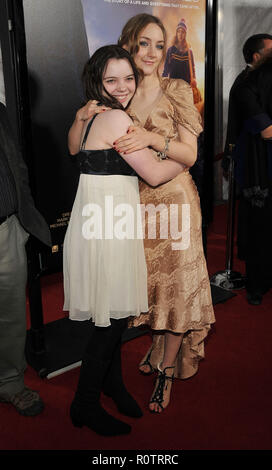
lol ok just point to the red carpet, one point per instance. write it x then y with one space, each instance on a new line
226 406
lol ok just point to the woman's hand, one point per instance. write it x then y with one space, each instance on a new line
137 138
89 110
82 115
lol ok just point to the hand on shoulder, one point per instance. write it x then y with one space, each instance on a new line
89 110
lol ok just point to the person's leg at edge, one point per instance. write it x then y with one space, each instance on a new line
13 277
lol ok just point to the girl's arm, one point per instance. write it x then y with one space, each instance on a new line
82 115
152 170
183 151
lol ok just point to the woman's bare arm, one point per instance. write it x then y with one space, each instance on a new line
183 151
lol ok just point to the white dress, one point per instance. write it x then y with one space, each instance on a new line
104 264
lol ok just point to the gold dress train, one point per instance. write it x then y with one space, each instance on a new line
179 295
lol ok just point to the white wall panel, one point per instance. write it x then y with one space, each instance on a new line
240 19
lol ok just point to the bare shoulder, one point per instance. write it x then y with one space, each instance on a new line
115 121
115 117
111 125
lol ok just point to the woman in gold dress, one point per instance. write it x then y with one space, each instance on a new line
180 305
165 118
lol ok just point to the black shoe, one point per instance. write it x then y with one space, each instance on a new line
86 409
125 403
114 387
97 419
254 298
161 386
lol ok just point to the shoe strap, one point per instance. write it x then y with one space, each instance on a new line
163 372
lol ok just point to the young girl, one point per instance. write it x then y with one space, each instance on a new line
179 61
104 265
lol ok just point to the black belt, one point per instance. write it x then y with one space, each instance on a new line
104 173
4 218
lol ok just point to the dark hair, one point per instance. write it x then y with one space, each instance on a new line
92 75
254 44
130 34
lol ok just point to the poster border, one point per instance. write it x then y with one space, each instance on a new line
209 112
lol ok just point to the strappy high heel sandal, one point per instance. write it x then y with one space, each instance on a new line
147 363
162 384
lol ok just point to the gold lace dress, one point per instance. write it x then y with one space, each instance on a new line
179 295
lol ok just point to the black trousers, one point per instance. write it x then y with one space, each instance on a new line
254 240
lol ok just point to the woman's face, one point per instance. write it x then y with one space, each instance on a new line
151 49
181 34
119 80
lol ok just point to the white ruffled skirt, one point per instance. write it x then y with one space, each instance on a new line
104 265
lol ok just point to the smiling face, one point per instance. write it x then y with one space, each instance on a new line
151 49
119 80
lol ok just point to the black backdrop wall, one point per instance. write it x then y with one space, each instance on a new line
56 50
44 50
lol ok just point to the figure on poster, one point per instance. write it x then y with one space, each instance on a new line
179 62
105 277
179 297
18 219
255 48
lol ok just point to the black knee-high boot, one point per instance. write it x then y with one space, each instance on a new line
86 409
114 387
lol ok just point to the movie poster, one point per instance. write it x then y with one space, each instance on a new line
184 21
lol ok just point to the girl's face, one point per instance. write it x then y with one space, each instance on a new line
151 49
181 34
119 80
